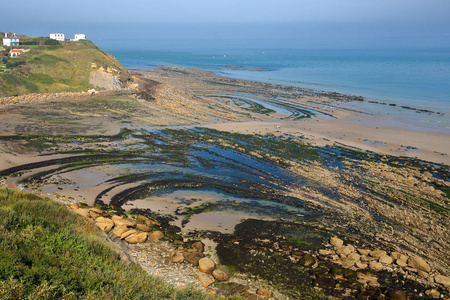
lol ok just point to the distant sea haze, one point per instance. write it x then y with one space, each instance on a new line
413 76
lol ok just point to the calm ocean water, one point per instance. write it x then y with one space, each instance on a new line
415 76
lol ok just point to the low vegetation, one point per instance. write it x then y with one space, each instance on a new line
47 252
48 65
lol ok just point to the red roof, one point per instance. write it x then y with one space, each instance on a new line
11 35
16 50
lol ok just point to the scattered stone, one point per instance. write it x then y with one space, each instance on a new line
220 275
205 279
444 280
206 265
385 259
136 238
336 242
263 292
377 253
156 235
419 264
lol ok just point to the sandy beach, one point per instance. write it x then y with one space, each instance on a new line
210 155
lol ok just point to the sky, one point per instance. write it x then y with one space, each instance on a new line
178 18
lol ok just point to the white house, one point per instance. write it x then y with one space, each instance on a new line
10 39
79 36
58 36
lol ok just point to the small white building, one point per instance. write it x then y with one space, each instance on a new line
58 36
10 39
15 52
79 36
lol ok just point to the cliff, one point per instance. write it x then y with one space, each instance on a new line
49 66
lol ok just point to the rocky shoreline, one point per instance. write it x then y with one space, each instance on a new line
346 269
137 239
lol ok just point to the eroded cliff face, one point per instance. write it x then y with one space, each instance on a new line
107 78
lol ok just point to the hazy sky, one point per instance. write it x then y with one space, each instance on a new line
38 17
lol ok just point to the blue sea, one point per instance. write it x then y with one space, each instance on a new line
415 74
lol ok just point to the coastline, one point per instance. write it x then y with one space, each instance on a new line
169 121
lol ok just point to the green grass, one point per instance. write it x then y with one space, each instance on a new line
47 252
65 66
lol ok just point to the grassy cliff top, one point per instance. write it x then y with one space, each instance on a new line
51 66
48 252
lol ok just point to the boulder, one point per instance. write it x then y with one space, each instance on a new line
96 210
178 258
346 262
220 275
119 230
82 212
419 264
377 253
336 242
104 220
106 227
136 238
263 292
156 235
433 294
205 279
401 262
198 246
364 251
376 266
307 260
396 295
193 258
361 265
346 250
396 255
128 233
385 259
143 227
444 280
119 221
94 215
206 265
367 278
325 252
